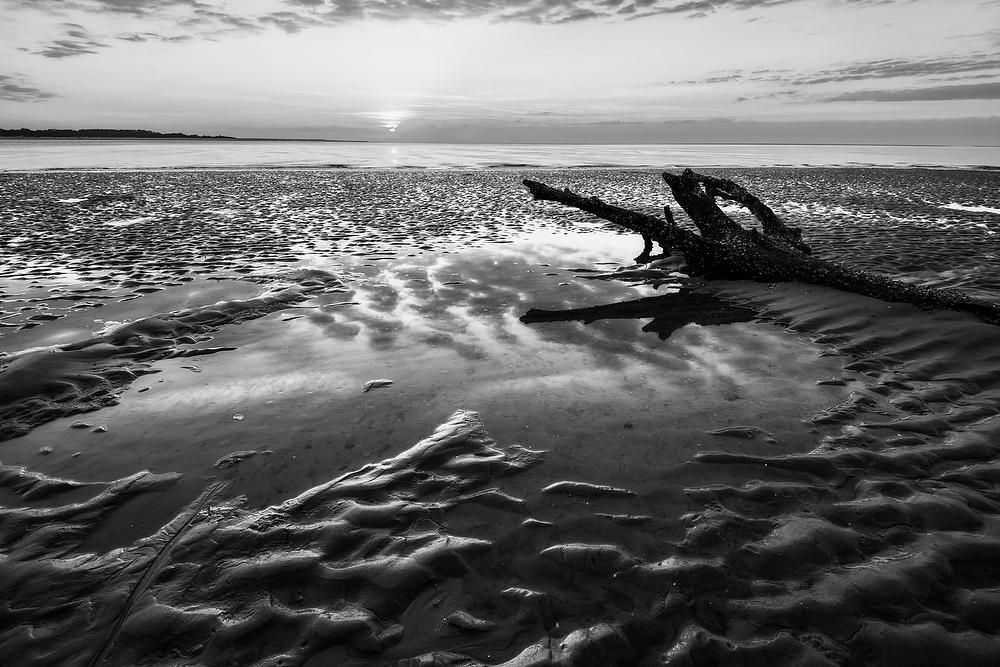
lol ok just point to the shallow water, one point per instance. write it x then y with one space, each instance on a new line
812 483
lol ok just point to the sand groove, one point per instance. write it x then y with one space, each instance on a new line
174 532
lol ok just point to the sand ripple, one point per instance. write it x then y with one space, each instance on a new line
878 546
871 539
331 572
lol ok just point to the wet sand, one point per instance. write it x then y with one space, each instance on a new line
193 474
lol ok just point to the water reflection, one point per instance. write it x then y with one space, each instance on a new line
449 331
477 304
669 312
470 302
446 329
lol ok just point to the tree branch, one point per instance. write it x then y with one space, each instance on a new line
725 250
666 232
774 227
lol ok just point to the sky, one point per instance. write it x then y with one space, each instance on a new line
546 71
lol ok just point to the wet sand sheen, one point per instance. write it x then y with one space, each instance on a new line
813 487
608 406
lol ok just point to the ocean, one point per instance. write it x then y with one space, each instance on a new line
33 154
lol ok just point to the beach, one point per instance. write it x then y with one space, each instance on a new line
294 416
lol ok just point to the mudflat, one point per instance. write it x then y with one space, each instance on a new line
413 417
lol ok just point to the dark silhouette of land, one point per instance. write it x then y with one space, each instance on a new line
25 133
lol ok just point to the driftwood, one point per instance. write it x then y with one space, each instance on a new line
723 249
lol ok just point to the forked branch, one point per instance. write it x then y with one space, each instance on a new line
666 233
726 250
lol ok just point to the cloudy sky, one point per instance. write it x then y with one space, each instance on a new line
868 71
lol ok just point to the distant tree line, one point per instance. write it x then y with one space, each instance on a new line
103 134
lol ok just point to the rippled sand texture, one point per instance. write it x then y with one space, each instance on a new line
79 240
801 477
346 559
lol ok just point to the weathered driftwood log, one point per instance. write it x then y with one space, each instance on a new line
723 249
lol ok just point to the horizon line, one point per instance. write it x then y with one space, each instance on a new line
510 143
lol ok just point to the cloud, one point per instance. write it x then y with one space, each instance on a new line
895 67
137 7
203 18
75 42
295 15
972 91
720 77
695 8
973 76
210 19
151 37
14 88
781 94
290 22
953 68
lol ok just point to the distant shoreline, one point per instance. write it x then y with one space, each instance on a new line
25 133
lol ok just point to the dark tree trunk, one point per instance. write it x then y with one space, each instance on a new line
725 250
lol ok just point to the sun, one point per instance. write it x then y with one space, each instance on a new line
391 120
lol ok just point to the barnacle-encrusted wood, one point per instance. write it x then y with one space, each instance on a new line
723 249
